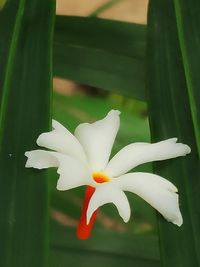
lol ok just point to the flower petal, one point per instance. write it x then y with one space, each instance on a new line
61 140
97 139
73 172
40 159
108 193
157 191
138 153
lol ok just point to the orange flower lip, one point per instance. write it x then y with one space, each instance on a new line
100 177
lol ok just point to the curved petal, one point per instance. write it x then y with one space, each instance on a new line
157 191
73 172
61 140
138 153
108 193
97 139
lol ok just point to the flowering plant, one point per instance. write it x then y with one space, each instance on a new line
83 159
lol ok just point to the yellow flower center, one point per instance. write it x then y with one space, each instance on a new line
100 177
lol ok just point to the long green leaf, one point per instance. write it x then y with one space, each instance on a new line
104 249
170 116
25 86
188 23
101 53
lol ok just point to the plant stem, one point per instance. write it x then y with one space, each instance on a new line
84 230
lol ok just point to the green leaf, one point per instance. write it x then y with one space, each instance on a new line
26 29
170 116
102 53
103 249
188 23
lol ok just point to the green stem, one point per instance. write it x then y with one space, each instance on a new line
104 7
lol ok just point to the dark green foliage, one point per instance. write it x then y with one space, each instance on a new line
25 85
102 53
170 116
188 24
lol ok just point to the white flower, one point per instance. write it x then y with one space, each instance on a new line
83 159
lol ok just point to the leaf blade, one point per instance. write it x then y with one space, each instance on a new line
119 249
188 24
170 116
24 196
95 59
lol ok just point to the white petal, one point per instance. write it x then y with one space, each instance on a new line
138 153
97 139
157 191
73 172
61 140
108 193
40 159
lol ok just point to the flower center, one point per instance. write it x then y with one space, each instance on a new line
100 177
